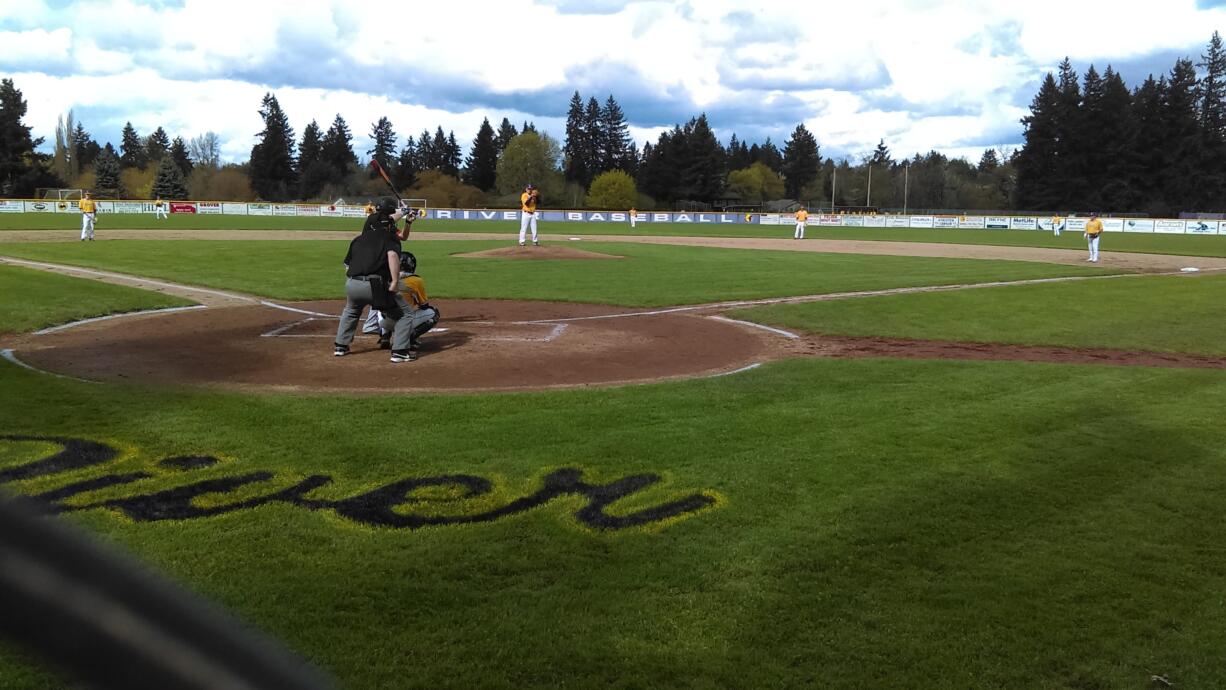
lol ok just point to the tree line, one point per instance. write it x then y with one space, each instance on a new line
1091 143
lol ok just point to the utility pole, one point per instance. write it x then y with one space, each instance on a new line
906 178
868 200
834 180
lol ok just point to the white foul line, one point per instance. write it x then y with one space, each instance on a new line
11 356
751 324
296 310
755 365
108 317
122 276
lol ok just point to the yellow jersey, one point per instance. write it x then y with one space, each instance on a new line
633 213
158 203
1055 220
87 206
802 215
528 202
414 289
1094 226
370 208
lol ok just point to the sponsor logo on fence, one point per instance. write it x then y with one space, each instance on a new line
898 221
829 220
1169 226
231 209
1113 224
997 223
284 210
1075 224
210 208
1203 227
306 211
129 207
7 206
1137 225
945 222
182 207
972 222
331 212
1024 223
39 207
853 221
259 209
922 221
353 211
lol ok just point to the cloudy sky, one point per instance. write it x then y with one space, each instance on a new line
922 74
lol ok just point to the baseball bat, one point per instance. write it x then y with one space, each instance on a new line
374 163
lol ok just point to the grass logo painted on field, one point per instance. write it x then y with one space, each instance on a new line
376 507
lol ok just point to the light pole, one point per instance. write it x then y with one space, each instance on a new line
868 200
906 178
834 180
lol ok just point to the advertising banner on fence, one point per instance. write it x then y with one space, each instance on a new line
232 209
284 210
1136 225
1203 227
128 207
40 207
1113 224
972 222
997 223
945 222
1169 226
853 221
829 220
209 208
104 207
1023 223
1075 224
306 210
7 206
331 212
353 211
182 207
922 221
898 222
259 209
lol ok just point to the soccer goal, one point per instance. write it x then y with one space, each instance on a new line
57 193
417 204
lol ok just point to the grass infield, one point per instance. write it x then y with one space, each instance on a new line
648 275
31 299
1151 313
886 523
1188 245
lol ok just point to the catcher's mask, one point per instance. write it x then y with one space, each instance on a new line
408 263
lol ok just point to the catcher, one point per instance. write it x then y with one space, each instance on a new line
420 315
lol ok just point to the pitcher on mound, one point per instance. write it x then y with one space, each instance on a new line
527 215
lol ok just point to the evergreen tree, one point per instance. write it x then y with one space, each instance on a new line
16 145
451 162
157 145
169 183
770 155
881 155
313 172
631 165
1068 183
615 136
704 173
1212 114
506 132
1148 113
87 149
1184 138
528 127
439 151
133 150
179 154
989 161
384 138
801 160
576 165
272 166
592 127
107 181
1036 161
336 151
405 174
64 160
481 166
738 154
1116 128
426 157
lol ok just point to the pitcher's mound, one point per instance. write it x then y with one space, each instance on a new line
531 252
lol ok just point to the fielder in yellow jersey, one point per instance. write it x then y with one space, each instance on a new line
527 213
422 317
1094 228
802 217
89 211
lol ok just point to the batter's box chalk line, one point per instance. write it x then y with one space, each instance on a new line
11 356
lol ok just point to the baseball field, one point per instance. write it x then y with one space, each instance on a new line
867 459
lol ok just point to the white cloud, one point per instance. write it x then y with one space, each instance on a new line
921 73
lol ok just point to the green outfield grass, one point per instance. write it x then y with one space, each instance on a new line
881 524
31 299
649 275
1188 245
1153 313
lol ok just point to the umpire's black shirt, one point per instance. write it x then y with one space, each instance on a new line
368 252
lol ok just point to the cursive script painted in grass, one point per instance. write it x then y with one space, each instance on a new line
376 507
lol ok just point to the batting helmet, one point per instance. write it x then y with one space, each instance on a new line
387 205
408 263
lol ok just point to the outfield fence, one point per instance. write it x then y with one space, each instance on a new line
1173 226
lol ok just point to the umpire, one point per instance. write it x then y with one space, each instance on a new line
373 273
